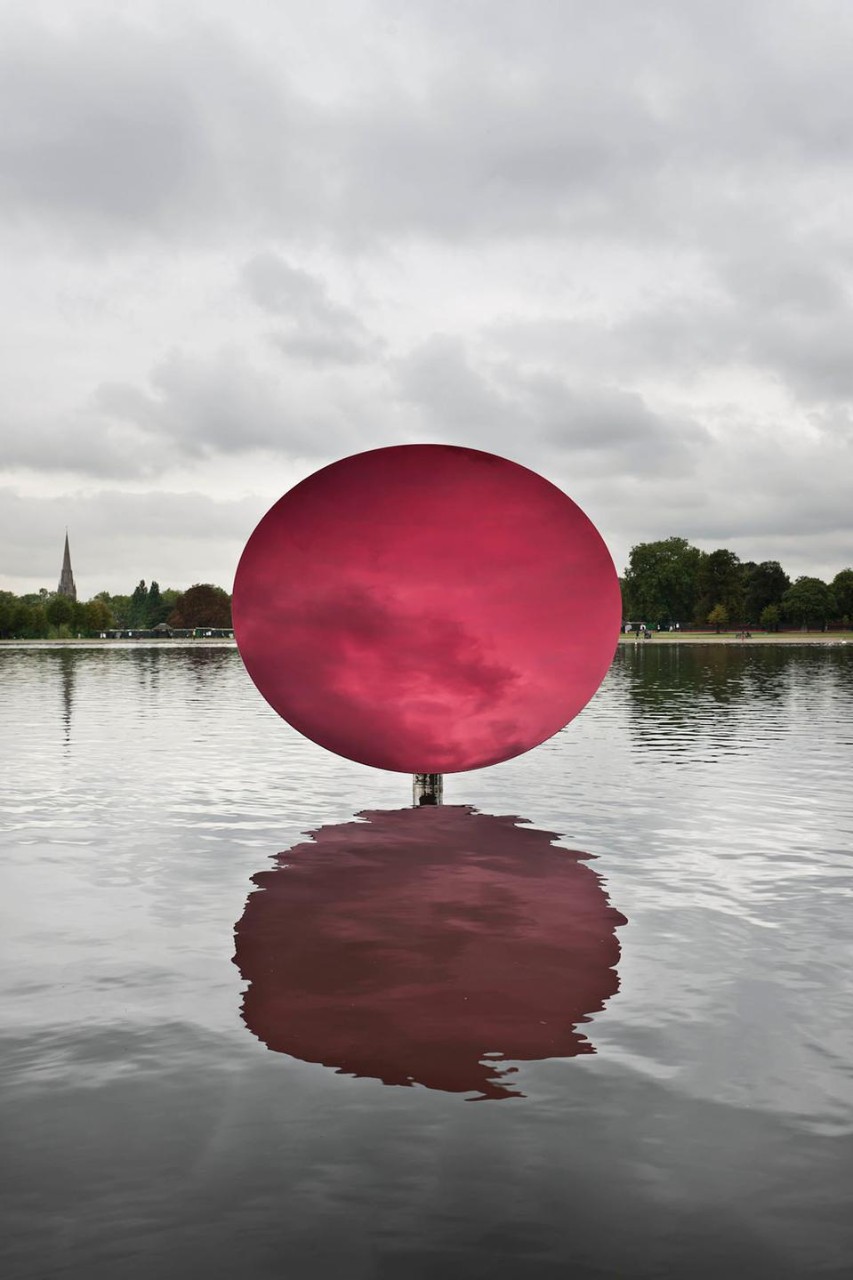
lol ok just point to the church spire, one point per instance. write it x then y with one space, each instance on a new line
66 578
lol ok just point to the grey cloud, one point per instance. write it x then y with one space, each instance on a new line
612 421
786 313
508 405
316 328
785 306
456 400
288 291
318 348
630 121
112 128
640 122
78 443
195 407
96 134
813 355
803 274
663 192
803 346
201 406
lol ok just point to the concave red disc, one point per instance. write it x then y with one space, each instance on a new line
426 608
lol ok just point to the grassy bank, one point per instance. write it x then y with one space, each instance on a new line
71 642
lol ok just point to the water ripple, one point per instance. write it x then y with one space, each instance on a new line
145 787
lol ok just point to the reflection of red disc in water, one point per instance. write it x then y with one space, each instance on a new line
410 947
426 608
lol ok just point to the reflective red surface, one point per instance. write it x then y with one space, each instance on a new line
426 608
410 947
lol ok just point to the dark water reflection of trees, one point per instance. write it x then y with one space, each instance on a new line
75 671
678 686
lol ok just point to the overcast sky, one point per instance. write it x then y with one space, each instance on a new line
612 241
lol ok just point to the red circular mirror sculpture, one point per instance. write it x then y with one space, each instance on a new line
426 608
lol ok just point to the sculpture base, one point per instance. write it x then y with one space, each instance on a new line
427 788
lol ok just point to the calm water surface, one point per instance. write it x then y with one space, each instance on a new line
682 1109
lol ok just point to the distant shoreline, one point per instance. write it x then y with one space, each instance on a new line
147 642
731 637
824 639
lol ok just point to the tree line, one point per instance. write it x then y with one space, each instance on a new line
671 582
666 583
46 615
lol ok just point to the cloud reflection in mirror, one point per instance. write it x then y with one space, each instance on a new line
428 946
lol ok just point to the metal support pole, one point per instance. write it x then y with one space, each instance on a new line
427 788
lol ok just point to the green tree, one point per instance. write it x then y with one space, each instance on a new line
203 605
60 611
20 618
170 599
138 612
719 582
660 581
771 617
119 607
98 617
808 603
79 623
32 622
719 617
8 604
842 589
156 610
763 584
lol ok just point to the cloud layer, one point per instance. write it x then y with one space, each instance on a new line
611 243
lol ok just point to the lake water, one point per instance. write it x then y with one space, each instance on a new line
449 1047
